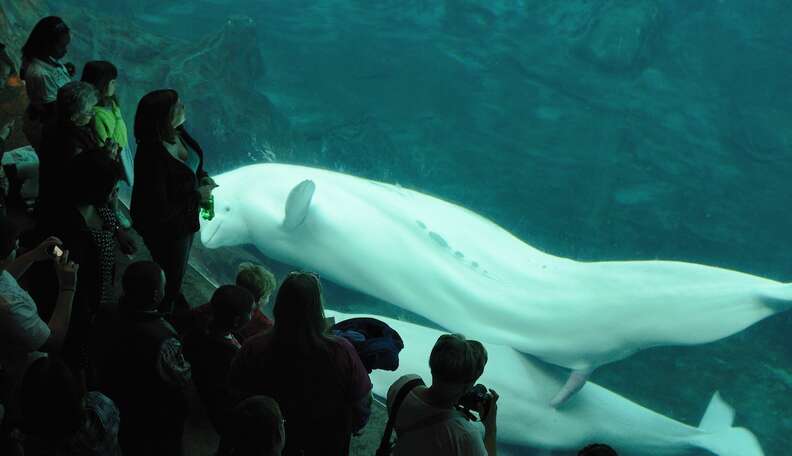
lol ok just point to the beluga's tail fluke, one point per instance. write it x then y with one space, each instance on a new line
720 437
297 204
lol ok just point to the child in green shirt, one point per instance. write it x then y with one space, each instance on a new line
108 121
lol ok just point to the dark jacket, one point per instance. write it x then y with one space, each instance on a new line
133 381
59 145
210 357
165 198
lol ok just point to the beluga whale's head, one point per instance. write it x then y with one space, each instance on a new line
230 225
253 205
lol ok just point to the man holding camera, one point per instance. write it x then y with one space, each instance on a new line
437 420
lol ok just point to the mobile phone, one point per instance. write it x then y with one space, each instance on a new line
55 251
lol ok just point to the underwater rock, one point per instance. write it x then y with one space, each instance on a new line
17 18
621 34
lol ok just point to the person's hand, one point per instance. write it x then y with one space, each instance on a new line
5 131
126 243
112 148
70 68
206 192
489 420
66 271
42 251
208 181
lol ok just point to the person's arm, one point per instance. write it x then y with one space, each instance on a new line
359 388
40 253
491 426
101 126
61 316
173 368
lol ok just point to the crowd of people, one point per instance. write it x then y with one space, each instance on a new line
86 372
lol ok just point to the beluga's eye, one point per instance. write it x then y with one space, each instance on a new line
228 208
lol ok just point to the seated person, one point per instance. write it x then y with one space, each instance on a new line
210 352
260 282
145 372
317 379
255 429
597 449
427 421
22 331
59 417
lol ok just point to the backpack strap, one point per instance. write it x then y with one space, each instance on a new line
426 422
385 443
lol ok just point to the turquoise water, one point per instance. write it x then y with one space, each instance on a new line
593 130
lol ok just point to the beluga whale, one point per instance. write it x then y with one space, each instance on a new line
596 414
469 275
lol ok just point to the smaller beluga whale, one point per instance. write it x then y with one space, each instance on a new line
469 275
595 414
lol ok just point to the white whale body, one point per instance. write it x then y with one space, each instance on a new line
469 275
595 414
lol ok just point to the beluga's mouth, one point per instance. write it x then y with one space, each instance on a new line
213 228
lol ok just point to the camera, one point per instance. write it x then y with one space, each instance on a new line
471 399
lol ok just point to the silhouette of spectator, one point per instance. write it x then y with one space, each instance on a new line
44 74
427 421
597 449
146 373
170 185
22 331
59 417
90 229
210 352
255 429
260 282
108 121
317 379
66 136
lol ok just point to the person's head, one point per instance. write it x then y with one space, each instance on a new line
50 37
102 75
255 429
75 103
95 177
9 240
258 280
299 313
143 285
597 449
231 307
456 363
51 400
158 115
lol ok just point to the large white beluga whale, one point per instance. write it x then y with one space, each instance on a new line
595 414
469 275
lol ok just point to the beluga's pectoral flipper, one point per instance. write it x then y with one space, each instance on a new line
574 383
298 203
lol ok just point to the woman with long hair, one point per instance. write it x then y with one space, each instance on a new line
44 73
318 379
170 187
109 123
